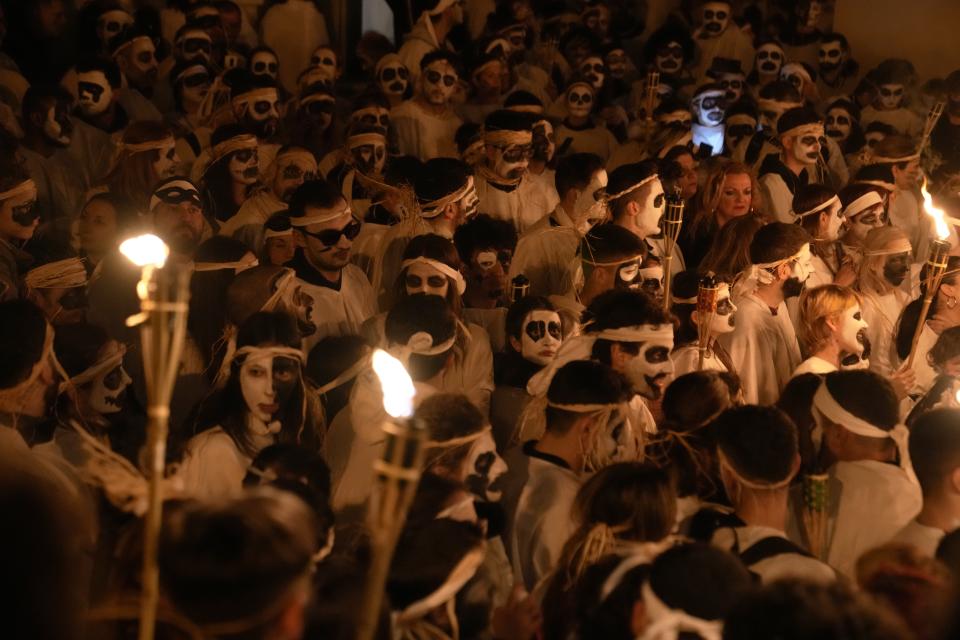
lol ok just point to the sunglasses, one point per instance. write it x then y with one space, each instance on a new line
330 237
434 77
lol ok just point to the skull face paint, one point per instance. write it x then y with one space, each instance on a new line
544 142
708 107
106 391
111 23
724 320
593 71
590 206
890 96
244 166
896 268
369 158
372 116
579 101
422 278
267 383
669 58
264 64
94 93
838 124
859 225
651 209
652 369
299 304
511 162
194 45
439 82
292 171
806 149
852 330
234 60
165 162
830 56
142 68
19 216
394 79
483 468
800 271
57 126
324 58
716 17
650 281
262 115
541 336
733 84
737 128
616 61
769 59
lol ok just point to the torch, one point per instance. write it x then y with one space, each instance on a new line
936 266
670 224
815 497
707 295
932 118
164 292
651 87
396 474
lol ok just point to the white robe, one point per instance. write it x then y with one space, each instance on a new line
882 313
293 29
246 225
906 122
339 313
778 197
214 467
522 207
422 134
926 375
596 140
732 43
547 255
686 359
924 538
813 364
763 348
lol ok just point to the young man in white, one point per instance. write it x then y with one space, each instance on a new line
426 125
429 33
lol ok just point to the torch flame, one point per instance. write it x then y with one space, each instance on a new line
398 390
938 215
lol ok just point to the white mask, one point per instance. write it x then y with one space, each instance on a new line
616 443
267 383
439 82
95 93
106 390
579 101
769 59
860 225
541 336
733 84
838 124
891 96
244 166
830 56
669 58
54 130
652 370
716 17
165 166
483 468
708 107
511 162
422 278
325 59
394 79
372 116
852 330
264 63
651 210
806 149
592 70
590 208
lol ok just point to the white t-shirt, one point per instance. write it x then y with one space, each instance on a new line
924 538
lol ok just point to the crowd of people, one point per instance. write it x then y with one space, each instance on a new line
747 428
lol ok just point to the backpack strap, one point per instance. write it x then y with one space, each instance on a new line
768 548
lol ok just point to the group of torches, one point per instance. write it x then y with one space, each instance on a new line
164 298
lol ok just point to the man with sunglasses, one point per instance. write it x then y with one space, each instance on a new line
504 190
427 124
325 228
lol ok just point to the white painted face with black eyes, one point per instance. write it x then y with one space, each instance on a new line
244 166
593 71
94 92
890 96
541 336
716 17
723 321
111 23
394 79
830 56
326 59
838 124
579 101
423 278
370 158
669 58
165 164
651 209
267 384
852 330
769 59
483 469
264 63
652 369
106 390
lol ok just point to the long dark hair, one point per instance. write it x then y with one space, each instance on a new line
216 191
226 407
911 313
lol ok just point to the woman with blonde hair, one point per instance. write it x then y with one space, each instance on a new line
730 252
831 326
146 154
730 191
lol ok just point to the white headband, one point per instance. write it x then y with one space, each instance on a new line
902 245
668 624
306 221
647 180
237 265
861 204
820 207
96 369
27 186
270 233
445 269
421 344
254 353
758 274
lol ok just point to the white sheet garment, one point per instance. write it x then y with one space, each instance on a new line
339 313
522 207
422 134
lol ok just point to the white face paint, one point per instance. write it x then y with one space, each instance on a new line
651 209
325 59
300 305
54 130
590 207
194 45
143 67
267 383
769 59
165 166
860 225
716 17
264 63
483 468
511 162
874 138
593 71
669 58
802 267
838 124
890 96
806 149
834 222
852 330
830 56
111 23
106 390
394 79
244 166
708 107
616 443
652 369
579 101
723 320
541 336
422 278
544 142
439 82
370 158
94 93
733 84
234 60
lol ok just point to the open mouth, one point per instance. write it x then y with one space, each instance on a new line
396 87
252 172
712 27
865 342
768 67
113 401
834 133
657 384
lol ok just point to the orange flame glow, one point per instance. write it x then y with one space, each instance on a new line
938 215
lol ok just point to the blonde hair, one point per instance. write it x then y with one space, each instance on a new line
708 199
817 306
870 276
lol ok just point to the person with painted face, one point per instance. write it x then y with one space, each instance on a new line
233 173
372 109
103 102
486 247
146 154
255 106
741 123
436 19
719 36
325 228
360 174
800 131
838 72
57 283
842 123
830 328
685 355
891 106
111 21
883 276
763 345
264 63
708 107
903 206
819 211
863 210
312 123
731 78
579 133
426 124
19 218
135 54
293 30
547 252
610 256
291 167
542 163
393 79
767 62
804 78
94 393
775 98
669 51
262 402
190 82
571 430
